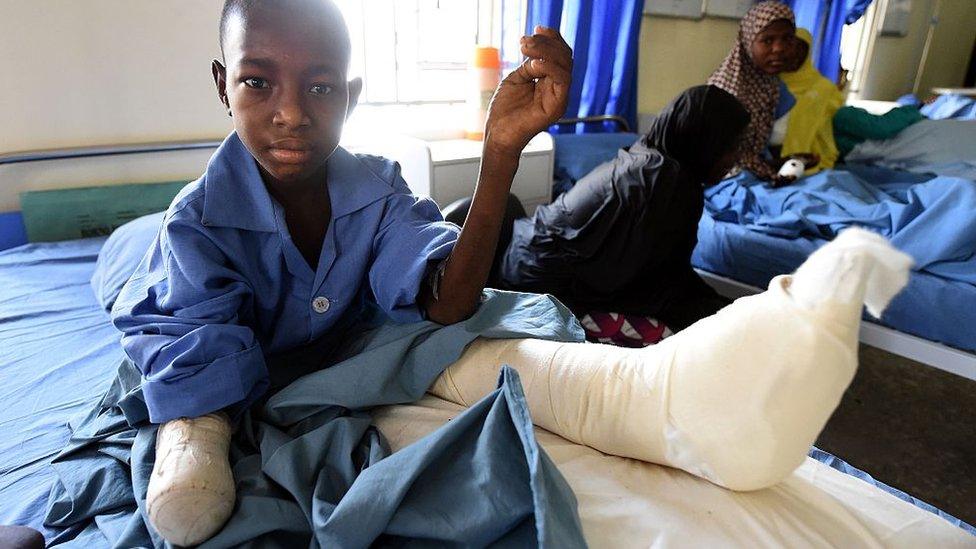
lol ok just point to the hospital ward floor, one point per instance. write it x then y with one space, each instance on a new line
910 426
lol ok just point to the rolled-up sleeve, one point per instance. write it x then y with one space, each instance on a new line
179 316
412 239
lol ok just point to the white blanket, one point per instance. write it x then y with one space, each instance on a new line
629 503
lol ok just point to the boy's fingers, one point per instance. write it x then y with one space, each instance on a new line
553 34
550 33
537 47
554 72
522 74
555 43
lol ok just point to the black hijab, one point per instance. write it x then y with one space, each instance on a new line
696 128
621 239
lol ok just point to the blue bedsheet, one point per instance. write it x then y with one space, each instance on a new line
58 353
931 220
940 147
951 106
751 233
46 308
49 313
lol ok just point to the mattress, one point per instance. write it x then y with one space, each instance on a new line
751 233
59 352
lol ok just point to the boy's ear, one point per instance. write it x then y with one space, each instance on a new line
355 88
220 80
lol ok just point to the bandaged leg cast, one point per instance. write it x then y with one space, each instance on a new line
737 398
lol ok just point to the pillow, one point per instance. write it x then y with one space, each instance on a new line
120 256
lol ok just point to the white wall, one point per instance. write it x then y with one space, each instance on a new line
86 72
676 54
894 65
951 47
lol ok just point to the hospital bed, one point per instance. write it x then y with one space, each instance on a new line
930 322
58 353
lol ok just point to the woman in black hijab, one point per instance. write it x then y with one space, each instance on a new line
621 239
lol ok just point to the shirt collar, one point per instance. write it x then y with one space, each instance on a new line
235 195
353 184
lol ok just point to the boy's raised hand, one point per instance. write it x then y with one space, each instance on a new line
525 103
533 96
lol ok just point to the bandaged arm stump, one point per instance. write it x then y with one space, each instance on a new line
191 490
737 398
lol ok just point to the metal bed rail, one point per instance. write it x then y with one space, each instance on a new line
105 150
620 121
915 348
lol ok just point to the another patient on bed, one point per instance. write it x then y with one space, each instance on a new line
621 239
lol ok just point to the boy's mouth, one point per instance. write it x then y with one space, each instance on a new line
290 151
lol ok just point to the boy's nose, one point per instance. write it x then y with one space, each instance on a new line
290 112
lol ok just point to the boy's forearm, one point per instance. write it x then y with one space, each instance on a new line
469 264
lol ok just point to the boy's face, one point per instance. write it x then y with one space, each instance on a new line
285 85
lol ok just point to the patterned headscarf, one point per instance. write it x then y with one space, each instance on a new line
755 89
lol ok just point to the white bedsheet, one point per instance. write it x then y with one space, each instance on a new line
628 503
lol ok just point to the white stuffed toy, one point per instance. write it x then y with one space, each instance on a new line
737 398
792 168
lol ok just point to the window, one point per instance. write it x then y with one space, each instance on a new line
411 52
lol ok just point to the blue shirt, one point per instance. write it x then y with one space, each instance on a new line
786 101
224 286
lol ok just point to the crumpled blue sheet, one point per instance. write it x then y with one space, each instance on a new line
954 106
310 469
940 147
46 303
930 219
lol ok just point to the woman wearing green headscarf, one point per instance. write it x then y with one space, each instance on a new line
810 128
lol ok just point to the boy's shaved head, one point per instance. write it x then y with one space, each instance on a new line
283 79
326 9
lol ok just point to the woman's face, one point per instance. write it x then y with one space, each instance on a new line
773 47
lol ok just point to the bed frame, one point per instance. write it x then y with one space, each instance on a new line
185 160
915 348
887 339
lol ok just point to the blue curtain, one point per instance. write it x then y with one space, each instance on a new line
825 19
603 36
856 9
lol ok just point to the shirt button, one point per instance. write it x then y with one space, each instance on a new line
320 304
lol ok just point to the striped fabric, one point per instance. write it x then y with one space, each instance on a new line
623 330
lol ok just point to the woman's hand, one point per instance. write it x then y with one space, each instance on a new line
533 96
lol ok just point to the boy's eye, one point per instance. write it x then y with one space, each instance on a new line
320 89
255 82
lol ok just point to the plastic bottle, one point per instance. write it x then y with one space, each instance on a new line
484 74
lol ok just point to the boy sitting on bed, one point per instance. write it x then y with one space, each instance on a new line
286 236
